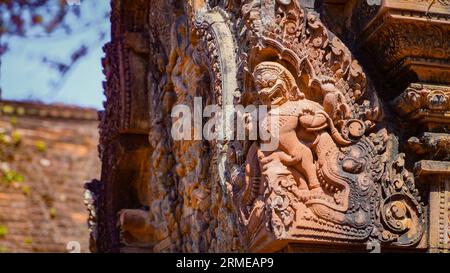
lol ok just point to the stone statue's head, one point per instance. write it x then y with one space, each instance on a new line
275 84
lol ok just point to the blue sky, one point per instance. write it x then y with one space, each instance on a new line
25 77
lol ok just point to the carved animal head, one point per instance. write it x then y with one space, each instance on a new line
275 84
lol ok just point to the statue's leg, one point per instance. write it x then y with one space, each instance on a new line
308 165
303 155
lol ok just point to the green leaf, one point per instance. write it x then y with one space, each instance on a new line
3 231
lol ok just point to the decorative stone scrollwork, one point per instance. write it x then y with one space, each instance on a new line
218 46
401 211
425 103
331 178
335 178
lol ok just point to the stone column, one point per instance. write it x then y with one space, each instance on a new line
428 106
437 175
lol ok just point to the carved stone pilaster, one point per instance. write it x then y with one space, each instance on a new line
437 175
429 107
124 126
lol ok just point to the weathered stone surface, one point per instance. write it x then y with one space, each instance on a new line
436 174
407 39
338 177
431 146
426 104
47 152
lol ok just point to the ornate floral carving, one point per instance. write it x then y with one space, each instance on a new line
401 212
337 176
407 41
320 62
324 182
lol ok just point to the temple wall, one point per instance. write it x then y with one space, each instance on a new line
364 98
47 154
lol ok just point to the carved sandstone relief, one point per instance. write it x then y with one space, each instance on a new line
337 176
404 42
334 178
428 106
189 210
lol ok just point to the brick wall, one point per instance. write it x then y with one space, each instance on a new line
47 153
